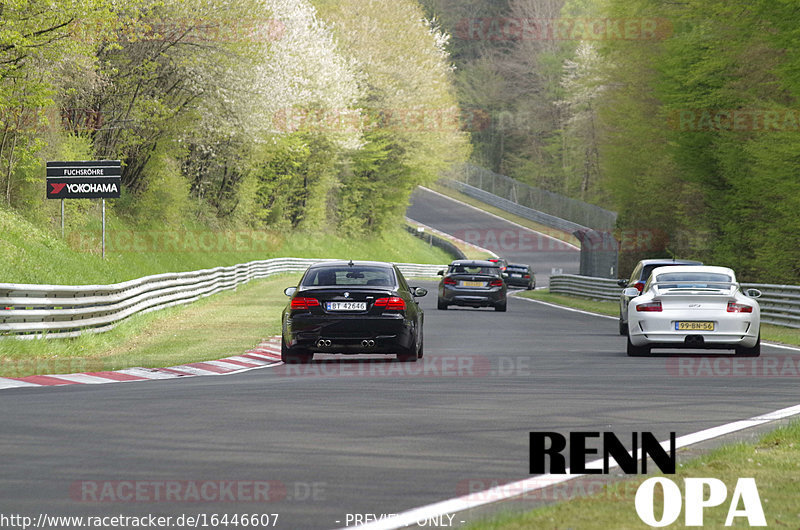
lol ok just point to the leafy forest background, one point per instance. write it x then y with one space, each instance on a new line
322 116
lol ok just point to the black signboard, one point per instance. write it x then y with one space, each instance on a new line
92 179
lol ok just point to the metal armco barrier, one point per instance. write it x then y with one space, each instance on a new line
59 311
510 206
439 242
780 304
585 287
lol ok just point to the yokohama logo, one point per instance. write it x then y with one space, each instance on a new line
85 188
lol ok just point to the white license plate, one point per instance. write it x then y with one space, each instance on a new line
516 275
346 306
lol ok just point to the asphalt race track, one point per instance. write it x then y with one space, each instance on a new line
357 437
515 243
364 436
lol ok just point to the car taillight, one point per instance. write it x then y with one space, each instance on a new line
496 283
449 281
304 303
733 307
394 303
639 286
649 307
527 276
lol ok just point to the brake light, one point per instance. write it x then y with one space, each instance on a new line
654 307
640 286
394 303
527 276
733 307
496 283
449 281
304 303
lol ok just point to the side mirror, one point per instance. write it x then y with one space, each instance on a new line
289 291
419 291
440 273
631 292
753 293
622 283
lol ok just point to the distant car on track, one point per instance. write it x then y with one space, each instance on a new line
520 275
473 283
641 272
698 307
501 262
351 308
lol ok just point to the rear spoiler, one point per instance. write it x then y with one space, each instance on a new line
682 287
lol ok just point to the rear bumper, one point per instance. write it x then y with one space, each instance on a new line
389 333
710 339
473 298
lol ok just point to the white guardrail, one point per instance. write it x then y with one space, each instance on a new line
780 304
57 311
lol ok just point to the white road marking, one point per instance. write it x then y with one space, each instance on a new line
227 366
13 383
501 218
247 360
85 379
565 308
516 489
147 374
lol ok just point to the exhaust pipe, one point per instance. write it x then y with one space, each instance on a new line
367 343
322 343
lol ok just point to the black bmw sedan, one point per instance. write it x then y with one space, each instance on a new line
352 308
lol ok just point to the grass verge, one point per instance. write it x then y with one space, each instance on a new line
31 254
552 232
769 332
225 324
774 462
595 306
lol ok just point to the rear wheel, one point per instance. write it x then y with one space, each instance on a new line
406 357
637 351
755 351
293 355
623 327
501 307
441 304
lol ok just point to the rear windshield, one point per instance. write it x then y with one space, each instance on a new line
470 269
349 276
517 268
676 280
